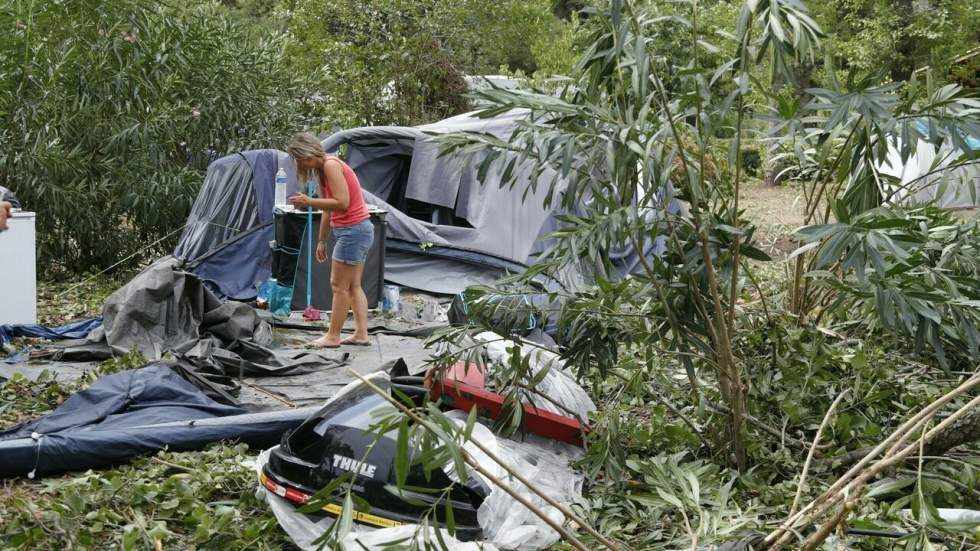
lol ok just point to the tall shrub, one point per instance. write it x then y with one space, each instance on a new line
111 110
403 61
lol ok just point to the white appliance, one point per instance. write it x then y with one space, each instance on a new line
18 272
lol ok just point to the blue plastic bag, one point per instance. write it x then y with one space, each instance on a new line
280 299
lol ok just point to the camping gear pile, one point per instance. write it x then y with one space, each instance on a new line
338 440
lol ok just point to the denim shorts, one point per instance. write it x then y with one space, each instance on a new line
352 243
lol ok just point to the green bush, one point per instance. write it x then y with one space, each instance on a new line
403 61
111 110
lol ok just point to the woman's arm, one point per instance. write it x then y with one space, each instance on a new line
321 241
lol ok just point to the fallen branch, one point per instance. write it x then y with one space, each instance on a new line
813 448
851 484
828 527
962 432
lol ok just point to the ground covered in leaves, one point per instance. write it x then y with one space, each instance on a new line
190 500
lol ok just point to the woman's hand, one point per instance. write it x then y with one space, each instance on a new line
321 252
300 200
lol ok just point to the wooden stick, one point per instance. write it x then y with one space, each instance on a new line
813 448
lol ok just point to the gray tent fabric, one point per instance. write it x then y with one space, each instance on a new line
434 201
466 214
469 228
243 357
164 307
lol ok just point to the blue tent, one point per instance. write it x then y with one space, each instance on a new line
226 240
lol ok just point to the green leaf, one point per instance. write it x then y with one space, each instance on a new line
402 458
890 487
450 518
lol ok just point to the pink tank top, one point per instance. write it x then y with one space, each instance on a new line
356 208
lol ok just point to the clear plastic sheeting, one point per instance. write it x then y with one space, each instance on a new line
564 395
547 464
506 524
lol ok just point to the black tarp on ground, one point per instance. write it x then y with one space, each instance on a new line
133 413
165 309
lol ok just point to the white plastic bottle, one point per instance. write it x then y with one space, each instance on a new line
281 189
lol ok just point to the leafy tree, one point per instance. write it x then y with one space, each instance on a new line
402 61
899 36
111 110
622 142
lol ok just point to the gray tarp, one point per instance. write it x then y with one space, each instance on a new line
165 309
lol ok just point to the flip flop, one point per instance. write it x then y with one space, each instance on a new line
356 343
316 345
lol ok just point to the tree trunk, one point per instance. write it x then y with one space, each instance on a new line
963 431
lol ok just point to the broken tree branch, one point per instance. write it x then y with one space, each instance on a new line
851 483
964 431
813 448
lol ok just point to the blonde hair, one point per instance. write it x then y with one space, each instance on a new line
304 146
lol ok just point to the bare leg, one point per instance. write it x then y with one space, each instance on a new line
359 305
341 276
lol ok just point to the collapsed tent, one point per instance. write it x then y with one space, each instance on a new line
448 226
226 240
132 413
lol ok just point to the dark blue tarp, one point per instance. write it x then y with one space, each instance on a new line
226 240
74 330
128 414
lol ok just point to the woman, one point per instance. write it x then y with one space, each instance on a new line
352 231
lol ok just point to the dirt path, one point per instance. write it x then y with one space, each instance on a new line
776 211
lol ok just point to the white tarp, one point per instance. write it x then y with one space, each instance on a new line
924 178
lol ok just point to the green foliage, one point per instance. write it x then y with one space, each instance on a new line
897 37
617 150
403 61
63 301
914 272
202 500
25 399
556 52
110 111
